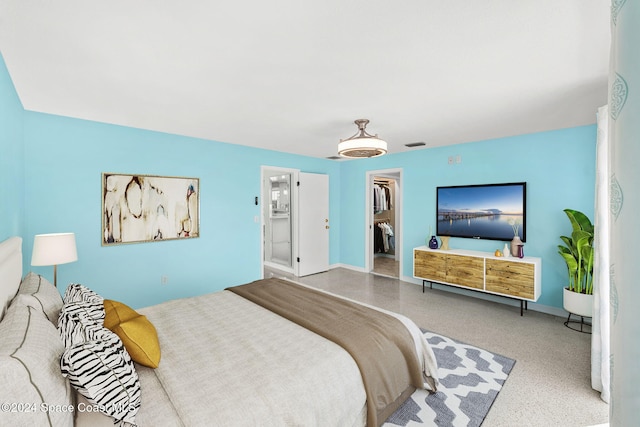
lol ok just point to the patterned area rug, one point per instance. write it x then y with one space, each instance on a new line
470 379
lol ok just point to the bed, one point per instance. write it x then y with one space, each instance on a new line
242 356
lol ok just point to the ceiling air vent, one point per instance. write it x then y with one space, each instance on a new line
334 158
415 144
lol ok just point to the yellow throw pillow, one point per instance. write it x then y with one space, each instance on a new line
116 312
137 333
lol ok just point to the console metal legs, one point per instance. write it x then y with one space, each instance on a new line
524 304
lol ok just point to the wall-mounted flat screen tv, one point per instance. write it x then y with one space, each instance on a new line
491 211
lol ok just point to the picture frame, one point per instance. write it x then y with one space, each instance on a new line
140 208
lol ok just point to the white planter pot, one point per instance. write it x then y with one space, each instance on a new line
580 304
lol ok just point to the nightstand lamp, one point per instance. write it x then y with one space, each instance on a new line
54 249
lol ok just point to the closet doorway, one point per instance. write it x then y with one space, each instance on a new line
384 223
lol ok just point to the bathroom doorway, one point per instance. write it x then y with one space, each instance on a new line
295 221
278 214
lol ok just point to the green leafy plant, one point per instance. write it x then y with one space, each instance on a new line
578 252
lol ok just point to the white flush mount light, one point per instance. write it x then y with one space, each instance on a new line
362 144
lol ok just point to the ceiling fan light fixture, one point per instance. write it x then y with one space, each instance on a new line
362 144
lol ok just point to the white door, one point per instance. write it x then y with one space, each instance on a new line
313 224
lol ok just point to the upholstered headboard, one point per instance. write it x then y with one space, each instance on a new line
10 270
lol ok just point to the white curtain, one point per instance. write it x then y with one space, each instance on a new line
624 139
600 331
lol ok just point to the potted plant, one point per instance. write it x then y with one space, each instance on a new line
577 252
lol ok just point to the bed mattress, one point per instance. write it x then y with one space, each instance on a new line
227 361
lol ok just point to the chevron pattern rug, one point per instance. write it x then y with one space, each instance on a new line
470 379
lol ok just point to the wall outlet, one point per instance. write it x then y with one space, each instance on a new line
164 280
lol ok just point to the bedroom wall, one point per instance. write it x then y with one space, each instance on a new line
65 160
558 166
11 158
50 171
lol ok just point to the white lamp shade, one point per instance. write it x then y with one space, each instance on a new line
54 249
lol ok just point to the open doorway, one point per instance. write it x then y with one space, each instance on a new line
384 223
279 216
295 222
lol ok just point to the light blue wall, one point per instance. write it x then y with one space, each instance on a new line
11 158
51 166
65 161
558 166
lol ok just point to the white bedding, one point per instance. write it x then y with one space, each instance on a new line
227 361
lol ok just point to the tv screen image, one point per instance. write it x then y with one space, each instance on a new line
490 211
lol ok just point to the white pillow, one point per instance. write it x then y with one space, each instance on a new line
11 271
30 350
41 293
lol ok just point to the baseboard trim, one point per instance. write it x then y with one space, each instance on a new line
348 267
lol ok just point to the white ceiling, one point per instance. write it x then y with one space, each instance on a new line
293 75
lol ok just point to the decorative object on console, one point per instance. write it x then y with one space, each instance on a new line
578 252
520 251
516 241
147 208
432 242
444 243
362 144
54 249
506 252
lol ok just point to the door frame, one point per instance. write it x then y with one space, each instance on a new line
266 190
395 174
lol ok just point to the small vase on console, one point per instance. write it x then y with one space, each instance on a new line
514 245
433 243
506 252
445 243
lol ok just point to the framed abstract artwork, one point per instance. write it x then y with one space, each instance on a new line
149 208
